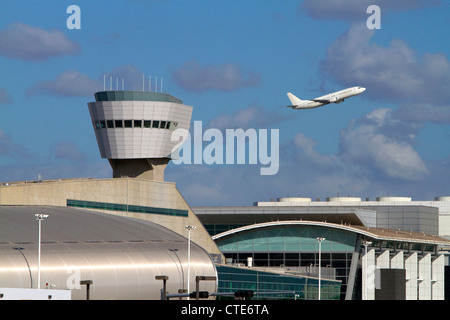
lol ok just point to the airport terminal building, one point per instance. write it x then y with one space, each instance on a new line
126 234
362 242
132 235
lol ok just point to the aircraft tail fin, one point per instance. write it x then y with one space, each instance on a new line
295 101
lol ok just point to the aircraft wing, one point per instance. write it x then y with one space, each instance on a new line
321 101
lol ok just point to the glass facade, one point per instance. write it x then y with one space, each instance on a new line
288 239
135 96
125 207
273 286
292 246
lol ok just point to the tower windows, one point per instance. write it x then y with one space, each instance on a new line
149 124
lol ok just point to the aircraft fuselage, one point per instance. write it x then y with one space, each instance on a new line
335 97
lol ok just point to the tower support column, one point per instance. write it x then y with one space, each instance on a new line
152 169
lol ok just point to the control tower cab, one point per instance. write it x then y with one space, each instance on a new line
134 130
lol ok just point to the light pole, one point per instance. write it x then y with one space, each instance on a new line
87 283
39 218
189 228
164 290
175 250
320 239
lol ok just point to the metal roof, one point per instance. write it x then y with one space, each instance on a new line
121 255
17 224
375 233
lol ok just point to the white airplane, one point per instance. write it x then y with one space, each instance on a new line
335 97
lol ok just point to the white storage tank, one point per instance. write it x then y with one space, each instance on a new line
442 199
343 199
393 199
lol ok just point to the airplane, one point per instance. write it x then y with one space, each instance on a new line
335 97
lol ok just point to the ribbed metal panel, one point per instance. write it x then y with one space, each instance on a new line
121 255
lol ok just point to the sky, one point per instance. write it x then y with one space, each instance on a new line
234 62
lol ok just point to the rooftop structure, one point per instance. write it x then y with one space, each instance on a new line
393 212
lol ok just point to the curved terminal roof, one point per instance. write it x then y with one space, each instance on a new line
374 233
247 215
71 225
135 96
121 255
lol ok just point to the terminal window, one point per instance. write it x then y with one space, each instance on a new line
156 124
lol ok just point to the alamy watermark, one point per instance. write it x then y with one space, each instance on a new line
236 147
74 277
74 20
374 21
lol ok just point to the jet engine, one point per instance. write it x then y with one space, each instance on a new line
333 99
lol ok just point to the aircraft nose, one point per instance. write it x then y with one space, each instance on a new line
362 89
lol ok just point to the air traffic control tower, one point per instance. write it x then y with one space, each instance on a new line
134 130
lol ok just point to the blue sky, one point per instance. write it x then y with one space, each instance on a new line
234 61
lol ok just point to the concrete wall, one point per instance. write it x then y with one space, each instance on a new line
424 273
128 191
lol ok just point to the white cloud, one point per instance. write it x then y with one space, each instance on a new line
307 146
366 143
68 83
356 9
424 112
68 150
30 170
226 77
376 156
21 41
254 116
132 78
393 73
5 97
73 83
10 149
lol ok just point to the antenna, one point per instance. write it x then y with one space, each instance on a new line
122 85
104 82
150 83
110 82
143 82
117 83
